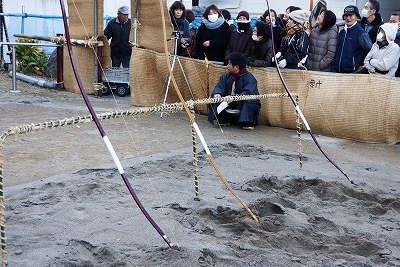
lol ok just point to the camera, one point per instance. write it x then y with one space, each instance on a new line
185 45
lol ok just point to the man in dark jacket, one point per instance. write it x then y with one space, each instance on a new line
353 43
237 81
371 19
118 29
395 18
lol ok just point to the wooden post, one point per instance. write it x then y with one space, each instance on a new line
60 67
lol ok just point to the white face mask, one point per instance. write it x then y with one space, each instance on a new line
255 38
364 13
213 17
379 37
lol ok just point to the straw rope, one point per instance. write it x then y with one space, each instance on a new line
175 107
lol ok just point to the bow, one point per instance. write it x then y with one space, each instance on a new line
191 118
298 108
103 134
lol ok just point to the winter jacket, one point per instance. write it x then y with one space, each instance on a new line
244 85
261 54
372 28
322 49
240 42
397 41
294 48
219 39
119 34
384 59
184 32
353 45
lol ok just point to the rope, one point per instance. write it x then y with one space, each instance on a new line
195 162
298 128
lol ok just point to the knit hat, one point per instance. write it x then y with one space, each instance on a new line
351 10
244 14
124 10
300 16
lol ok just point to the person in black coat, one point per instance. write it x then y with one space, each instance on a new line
212 36
371 19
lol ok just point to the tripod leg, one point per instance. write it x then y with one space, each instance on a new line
187 83
169 81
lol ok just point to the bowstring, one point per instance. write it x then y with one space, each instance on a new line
132 140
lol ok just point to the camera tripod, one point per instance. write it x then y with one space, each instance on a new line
167 81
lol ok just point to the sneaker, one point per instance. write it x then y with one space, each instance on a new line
248 127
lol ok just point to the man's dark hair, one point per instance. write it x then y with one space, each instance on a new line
263 29
375 5
237 59
226 14
190 15
328 21
396 14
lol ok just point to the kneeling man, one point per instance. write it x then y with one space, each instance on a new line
237 81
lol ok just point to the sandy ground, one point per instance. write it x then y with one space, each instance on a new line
66 204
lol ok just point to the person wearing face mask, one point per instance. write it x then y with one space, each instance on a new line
294 48
261 52
384 55
212 35
371 19
240 40
277 30
353 43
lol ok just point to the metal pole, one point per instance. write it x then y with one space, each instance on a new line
23 20
14 71
13 59
96 59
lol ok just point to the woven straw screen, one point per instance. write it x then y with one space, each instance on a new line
150 29
358 107
81 18
353 106
81 27
150 79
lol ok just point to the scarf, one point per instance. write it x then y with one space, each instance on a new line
214 25
255 49
235 76
294 28
243 26
178 23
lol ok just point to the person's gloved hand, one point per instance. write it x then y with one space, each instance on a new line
278 55
282 64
